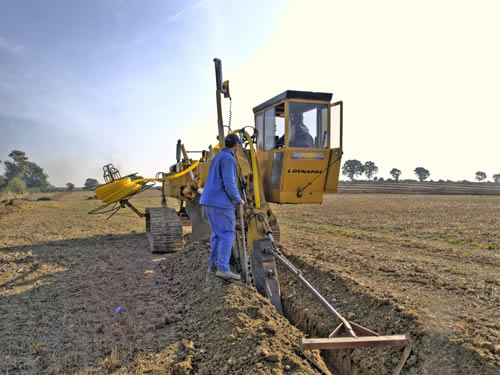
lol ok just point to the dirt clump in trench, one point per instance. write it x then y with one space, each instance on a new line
226 328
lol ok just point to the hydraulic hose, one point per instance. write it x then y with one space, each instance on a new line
181 173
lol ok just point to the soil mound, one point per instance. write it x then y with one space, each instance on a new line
224 328
8 206
43 199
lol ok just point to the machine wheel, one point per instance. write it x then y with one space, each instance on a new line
164 229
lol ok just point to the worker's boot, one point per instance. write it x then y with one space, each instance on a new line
227 275
211 270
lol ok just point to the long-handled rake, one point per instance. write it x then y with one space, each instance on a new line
357 336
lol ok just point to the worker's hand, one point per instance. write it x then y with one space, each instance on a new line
241 203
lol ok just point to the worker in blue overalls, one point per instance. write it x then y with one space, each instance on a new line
220 196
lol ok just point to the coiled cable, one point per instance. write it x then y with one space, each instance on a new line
117 190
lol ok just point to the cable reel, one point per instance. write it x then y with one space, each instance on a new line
118 190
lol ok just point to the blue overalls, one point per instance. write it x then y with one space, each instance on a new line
220 195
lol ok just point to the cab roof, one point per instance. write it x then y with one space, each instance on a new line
293 94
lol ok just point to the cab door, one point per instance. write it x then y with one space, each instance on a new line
336 132
307 151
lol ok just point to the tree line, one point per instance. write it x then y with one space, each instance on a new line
22 175
354 168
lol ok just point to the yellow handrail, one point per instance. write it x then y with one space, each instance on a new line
254 169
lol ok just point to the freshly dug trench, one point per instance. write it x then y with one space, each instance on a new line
226 327
434 257
431 352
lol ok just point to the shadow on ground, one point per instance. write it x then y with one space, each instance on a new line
82 303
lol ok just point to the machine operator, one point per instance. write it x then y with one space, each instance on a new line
299 132
220 196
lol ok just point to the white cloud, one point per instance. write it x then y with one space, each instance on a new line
148 36
10 45
140 40
175 16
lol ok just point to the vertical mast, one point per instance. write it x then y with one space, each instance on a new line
220 90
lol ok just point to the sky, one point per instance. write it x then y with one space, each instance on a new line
91 82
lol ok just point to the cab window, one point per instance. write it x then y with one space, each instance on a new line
269 129
308 125
279 120
259 125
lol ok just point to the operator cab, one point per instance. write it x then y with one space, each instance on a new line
297 154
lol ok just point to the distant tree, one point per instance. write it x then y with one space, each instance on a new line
17 167
35 177
16 185
395 173
480 176
31 173
422 173
352 168
370 169
90 184
496 178
71 187
3 180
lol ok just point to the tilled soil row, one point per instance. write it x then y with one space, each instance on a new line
85 306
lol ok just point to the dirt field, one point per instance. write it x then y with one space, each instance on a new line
406 187
80 294
424 265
